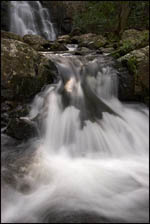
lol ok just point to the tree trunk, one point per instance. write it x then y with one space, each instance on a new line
123 17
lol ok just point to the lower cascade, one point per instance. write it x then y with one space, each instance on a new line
89 162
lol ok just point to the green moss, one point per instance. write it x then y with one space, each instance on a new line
115 54
132 65
26 87
126 47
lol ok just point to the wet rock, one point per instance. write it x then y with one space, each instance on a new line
137 62
92 41
24 73
24 70
21 129
76 32
36 42
107 50
64 39
56 46
17 58
10 35
137 38
131 40
66 25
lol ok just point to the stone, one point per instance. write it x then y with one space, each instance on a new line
36 42
90 40
10 35
137 62
64 39
56 46
131 40
24 71
20 129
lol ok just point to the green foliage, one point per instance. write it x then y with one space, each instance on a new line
126 47
97 16
132 65
139 15
102 16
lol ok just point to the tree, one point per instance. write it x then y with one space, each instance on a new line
124 11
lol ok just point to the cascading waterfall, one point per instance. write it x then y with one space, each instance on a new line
29 17
90 161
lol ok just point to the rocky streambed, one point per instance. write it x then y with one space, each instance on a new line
26 70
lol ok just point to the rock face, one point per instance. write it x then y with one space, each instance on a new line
62 13
5 15
10 35
36 42
132 52
23 73
131 40
25 70
137 62
90 40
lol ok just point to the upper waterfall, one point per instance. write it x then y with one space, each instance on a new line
29 17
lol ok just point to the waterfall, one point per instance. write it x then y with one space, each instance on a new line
29 17
90 162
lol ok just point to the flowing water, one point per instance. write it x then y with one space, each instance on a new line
29 17
89 163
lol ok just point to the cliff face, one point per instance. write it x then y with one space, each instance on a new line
62 13
5 15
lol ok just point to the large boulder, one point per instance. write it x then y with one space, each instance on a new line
57 46
131 40
24 71
64 39
36 42
10 35
90 40
18 60
135 37
137 62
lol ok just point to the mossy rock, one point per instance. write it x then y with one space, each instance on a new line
131 40
36 42
56 46
20 129
137 38
17 58
24 70
90 40
10 35
137 62
64 39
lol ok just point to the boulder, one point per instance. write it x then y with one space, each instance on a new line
137 62
10 35
36 42
131 40
136 38
64 39
24 71
90 40
21 129
56 46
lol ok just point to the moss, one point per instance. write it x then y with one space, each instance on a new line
115 54
126 47
132 65
26 87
